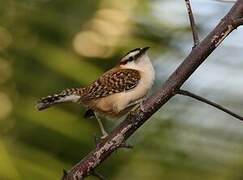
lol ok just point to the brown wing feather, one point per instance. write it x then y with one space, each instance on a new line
113 81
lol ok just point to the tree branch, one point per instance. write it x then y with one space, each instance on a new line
199 98
192 23
238 21
138 117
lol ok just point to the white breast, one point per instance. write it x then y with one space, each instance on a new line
145 67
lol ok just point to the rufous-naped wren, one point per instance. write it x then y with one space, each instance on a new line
115 92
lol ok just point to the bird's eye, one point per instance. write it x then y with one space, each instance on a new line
130 59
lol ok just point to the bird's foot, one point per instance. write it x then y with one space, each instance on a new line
104 135
98 139
141 105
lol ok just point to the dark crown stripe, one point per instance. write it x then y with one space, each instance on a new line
136 49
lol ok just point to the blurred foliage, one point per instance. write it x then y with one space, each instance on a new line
50 45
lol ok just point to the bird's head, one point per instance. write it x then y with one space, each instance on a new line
133 56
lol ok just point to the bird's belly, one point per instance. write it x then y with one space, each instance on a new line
117 103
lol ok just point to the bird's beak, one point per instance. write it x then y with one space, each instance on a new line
144 50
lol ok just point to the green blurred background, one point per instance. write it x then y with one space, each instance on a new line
50 45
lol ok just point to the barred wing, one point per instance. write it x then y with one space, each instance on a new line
114 81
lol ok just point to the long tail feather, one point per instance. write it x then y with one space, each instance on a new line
69 95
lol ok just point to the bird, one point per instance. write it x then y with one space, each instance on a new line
115 92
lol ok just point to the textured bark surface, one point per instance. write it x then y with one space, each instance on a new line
137 118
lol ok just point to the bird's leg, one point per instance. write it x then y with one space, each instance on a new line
135 102
132 104
103 131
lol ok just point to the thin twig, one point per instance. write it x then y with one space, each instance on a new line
199 98
65 173
126 146
98 175
192 23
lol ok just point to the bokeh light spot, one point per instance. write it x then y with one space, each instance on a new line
89 44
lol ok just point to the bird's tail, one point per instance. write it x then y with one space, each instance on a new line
68 95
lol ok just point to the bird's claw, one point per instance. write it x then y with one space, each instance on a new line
98 139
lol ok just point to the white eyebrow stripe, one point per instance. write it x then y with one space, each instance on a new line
131 54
